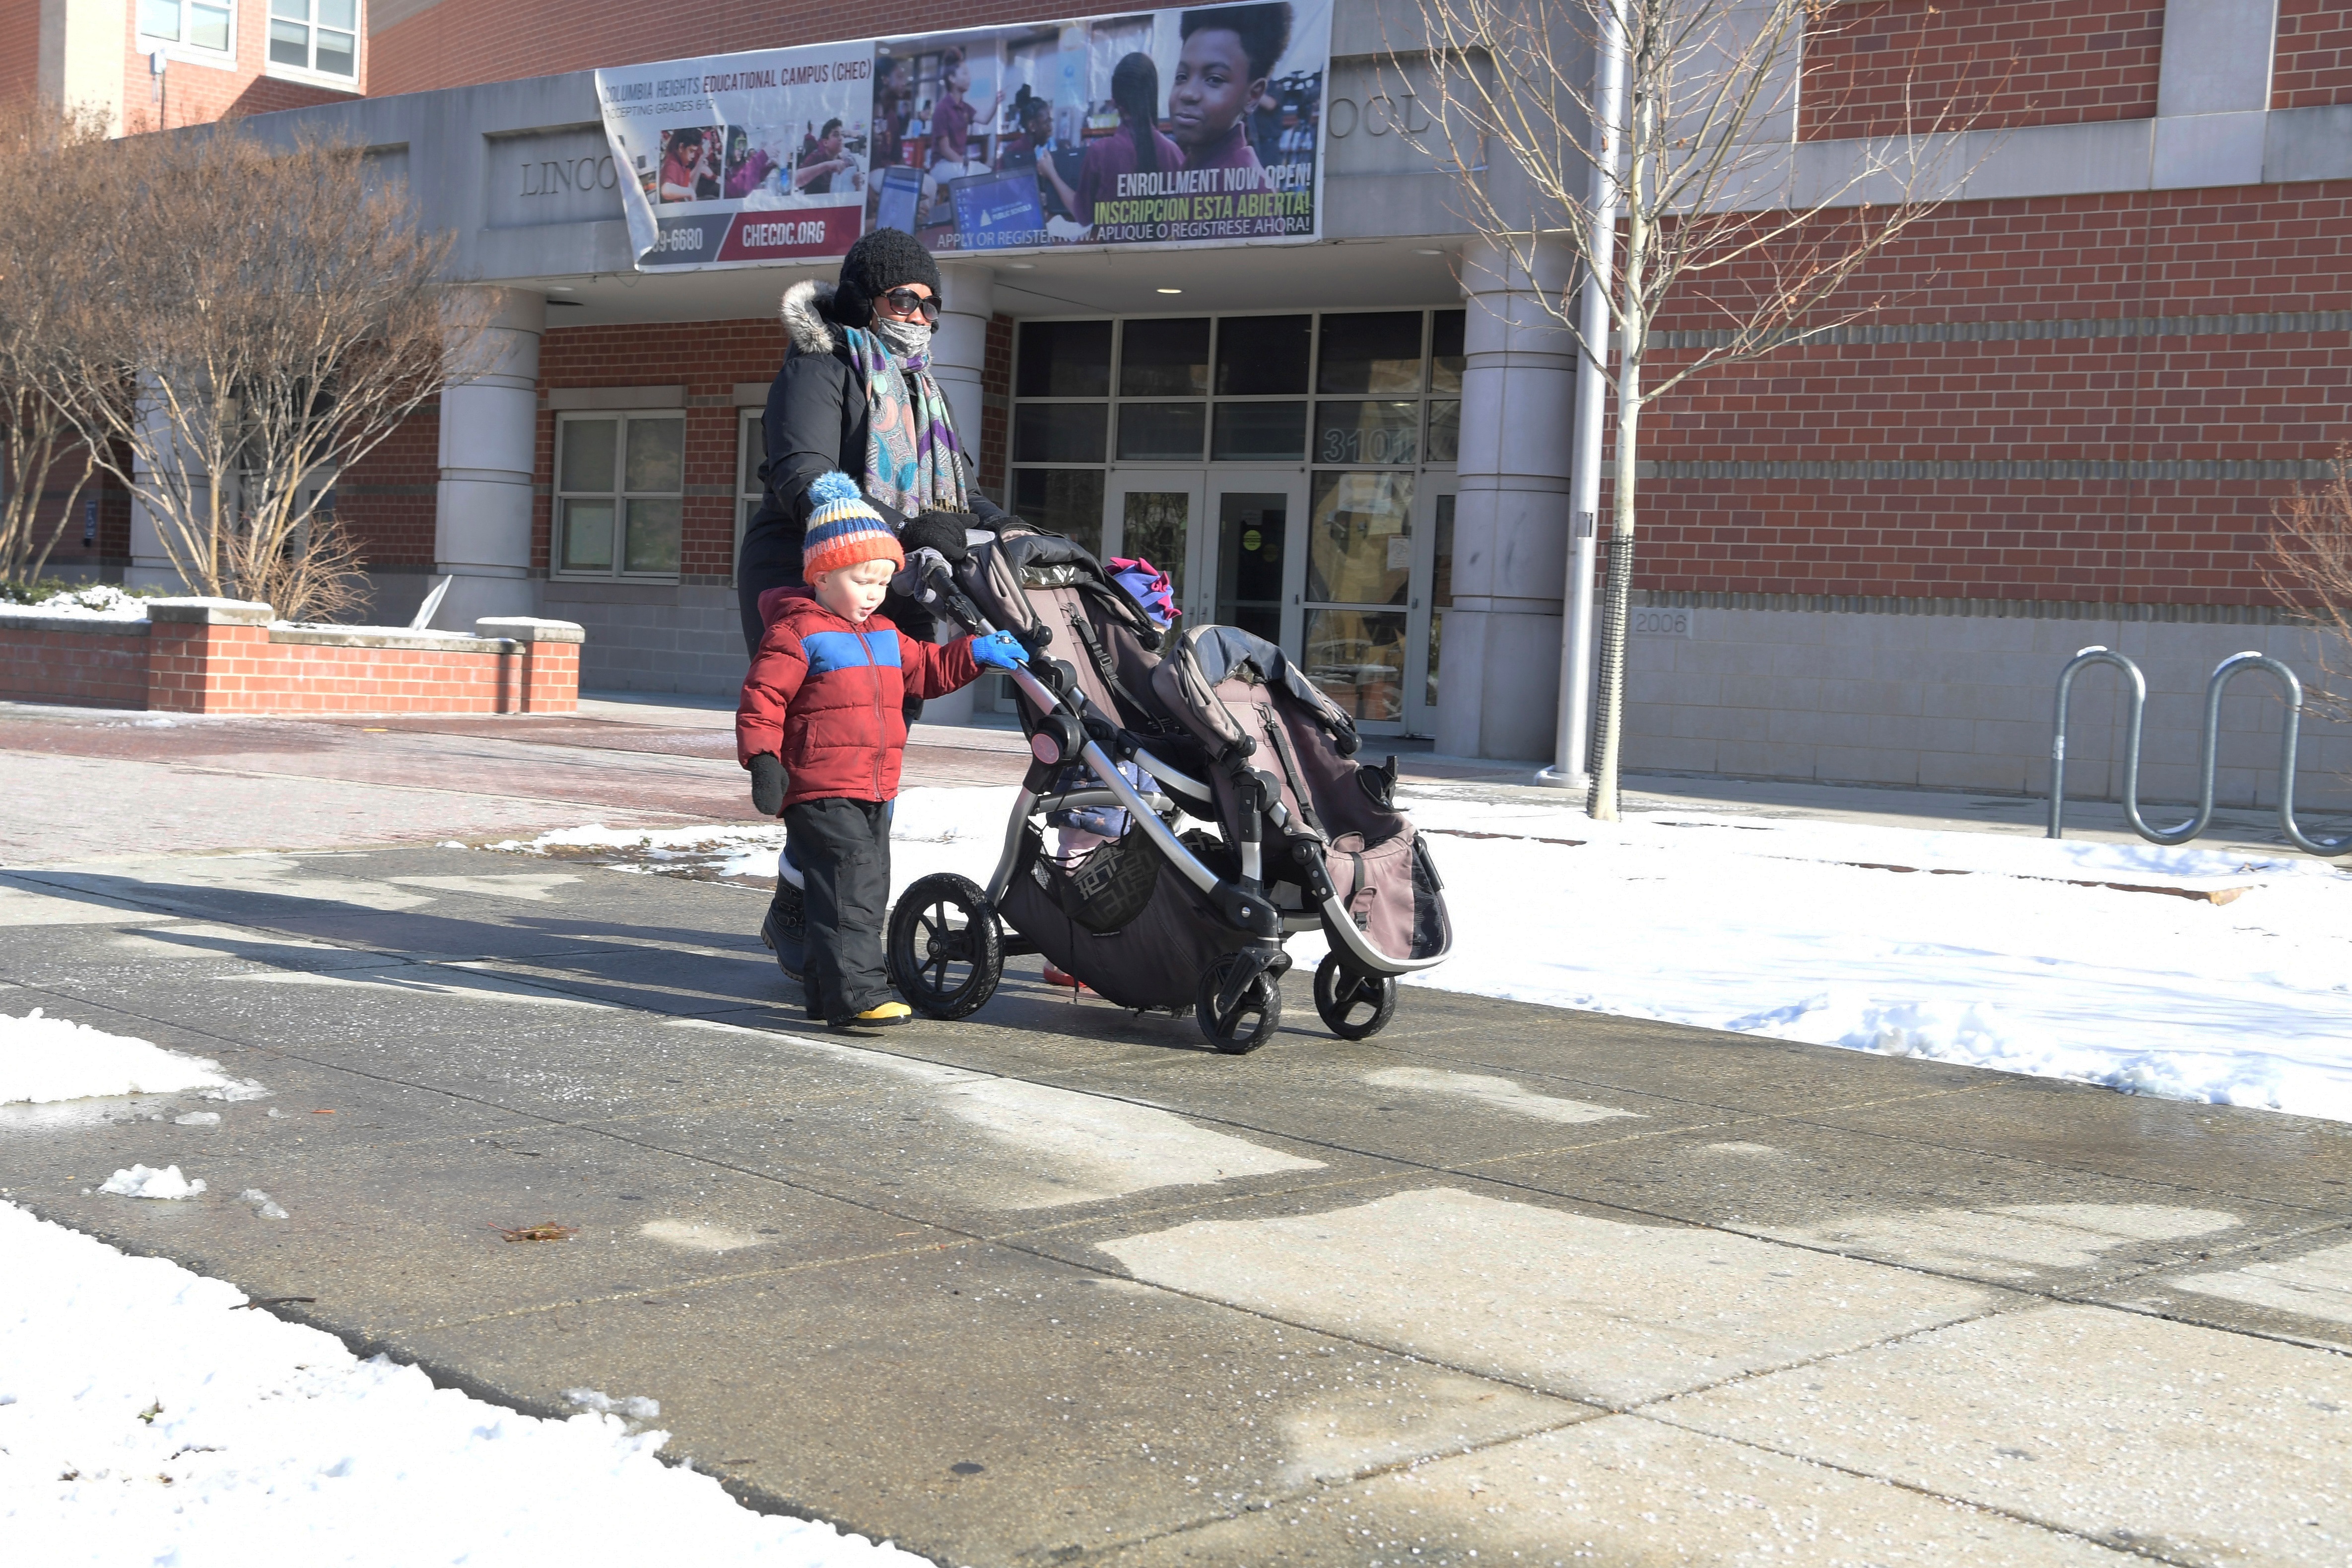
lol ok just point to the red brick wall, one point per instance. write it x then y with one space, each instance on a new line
20 48
102 669
193 668
197 95
460 42
2280 394
2004 62
386 500
2313 62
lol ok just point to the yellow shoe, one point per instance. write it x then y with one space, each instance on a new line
888 1015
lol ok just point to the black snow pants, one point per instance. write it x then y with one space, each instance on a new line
843 849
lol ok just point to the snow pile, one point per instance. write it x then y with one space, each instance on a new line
143 1421
264 1205
43 1060
636 1407
1846 935
144 1181
98 601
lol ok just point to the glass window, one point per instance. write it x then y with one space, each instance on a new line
1161 430
620 493
1263 356
1164 359
751 452
1376 433
1254 432
1359 539
1057 433
191 22
1064 359
1371 353
1445 357
1445 431
1067 501
1357 657
315 36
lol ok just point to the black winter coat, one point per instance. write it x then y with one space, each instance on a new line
815 423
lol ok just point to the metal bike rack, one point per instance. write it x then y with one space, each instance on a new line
2135 692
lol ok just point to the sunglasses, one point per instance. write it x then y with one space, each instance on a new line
907 302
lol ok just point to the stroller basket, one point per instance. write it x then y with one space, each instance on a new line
1136 733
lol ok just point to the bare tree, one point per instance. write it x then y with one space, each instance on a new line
51 260
1706 205
2311 552
279 316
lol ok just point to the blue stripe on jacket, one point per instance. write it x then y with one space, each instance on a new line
831 651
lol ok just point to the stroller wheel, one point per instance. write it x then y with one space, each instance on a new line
1354 1006
946 953
1252 1019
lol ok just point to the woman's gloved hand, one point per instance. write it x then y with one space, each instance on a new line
940 531
997 651
770 784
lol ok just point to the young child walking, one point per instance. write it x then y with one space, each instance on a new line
822 729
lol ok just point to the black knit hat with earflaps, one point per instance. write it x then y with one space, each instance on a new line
878 262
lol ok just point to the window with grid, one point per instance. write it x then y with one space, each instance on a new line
320 36
750 451
191 24
620 492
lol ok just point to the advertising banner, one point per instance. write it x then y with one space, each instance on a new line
1187 127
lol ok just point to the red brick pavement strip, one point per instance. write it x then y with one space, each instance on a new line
76 785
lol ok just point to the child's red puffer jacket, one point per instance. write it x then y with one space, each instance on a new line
829 696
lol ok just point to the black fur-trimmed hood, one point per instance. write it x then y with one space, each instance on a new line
809 316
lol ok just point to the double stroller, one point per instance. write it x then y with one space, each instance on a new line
1136 731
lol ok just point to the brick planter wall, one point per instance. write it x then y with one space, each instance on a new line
211 655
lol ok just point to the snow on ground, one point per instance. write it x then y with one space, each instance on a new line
44 1060
143 1419
1989 949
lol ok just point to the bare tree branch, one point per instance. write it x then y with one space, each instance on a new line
277 318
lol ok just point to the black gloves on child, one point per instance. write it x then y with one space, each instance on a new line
769 784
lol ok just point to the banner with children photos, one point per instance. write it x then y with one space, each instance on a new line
1189 127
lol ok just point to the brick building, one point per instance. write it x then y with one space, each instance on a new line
1868 555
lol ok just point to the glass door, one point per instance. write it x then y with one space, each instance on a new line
1430 595
1258 514
1153 514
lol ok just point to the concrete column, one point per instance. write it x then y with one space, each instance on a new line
1498 684
958 358
959 348
150 566
489 433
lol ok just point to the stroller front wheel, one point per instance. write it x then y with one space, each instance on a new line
1354 1006
946 952
1254 1015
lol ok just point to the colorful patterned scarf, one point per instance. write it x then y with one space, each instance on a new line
913 462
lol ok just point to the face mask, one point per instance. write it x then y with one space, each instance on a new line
907 340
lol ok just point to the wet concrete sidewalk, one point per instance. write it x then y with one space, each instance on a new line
1056 1285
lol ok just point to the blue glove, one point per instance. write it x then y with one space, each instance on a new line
999 651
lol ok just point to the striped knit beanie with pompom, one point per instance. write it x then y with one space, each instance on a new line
843 530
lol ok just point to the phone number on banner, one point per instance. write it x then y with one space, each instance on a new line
755 236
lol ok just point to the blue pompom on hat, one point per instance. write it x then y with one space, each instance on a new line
843 531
